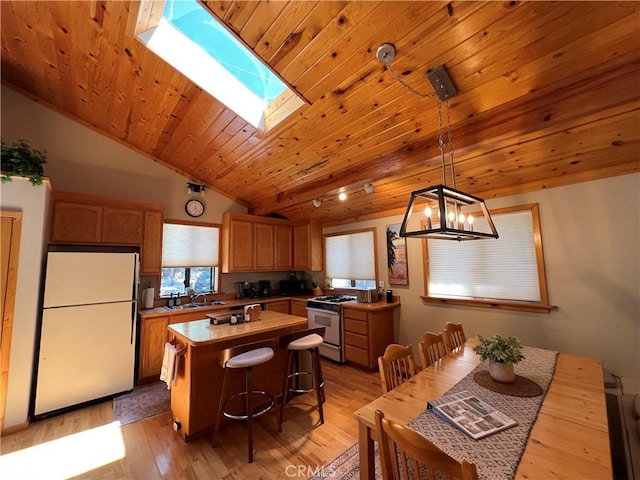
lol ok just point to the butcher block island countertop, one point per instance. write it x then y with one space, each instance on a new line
196 393
201 332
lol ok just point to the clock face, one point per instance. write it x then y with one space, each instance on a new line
194 207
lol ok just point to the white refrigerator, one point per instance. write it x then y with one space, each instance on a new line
88 330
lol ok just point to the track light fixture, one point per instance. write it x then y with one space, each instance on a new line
369 188
193 187
317 202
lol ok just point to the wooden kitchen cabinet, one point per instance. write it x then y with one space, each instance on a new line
251 243
264 246
153 336
237 244
307 246
74 222
122 226
151 250
366 334
283 247
299 307
93 220
282 306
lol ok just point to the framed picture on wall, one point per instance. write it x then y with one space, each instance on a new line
397 256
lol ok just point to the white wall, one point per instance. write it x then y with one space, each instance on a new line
81 160
591 240
19 195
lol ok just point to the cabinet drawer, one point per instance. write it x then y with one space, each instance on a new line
356 340
355 314
357 355
355 326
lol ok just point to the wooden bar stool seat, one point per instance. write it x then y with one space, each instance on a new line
246 357
305 340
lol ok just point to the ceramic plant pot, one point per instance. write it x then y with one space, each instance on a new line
502 372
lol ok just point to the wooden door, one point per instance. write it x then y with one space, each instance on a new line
122 226
151 253
241 246
284 247
10 250
264 246
76 223
153 336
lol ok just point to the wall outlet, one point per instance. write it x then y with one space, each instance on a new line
381 284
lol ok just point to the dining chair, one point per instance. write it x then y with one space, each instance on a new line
396 366
454 336
431 348
406 454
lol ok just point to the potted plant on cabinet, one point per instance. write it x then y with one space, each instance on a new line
502 354
20 160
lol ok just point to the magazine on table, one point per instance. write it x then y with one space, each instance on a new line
473 416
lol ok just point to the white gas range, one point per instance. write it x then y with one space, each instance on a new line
327 312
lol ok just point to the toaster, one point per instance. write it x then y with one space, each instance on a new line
367 296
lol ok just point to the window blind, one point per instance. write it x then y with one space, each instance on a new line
189 246
504 269
350 256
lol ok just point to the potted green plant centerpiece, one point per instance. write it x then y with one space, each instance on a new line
20 160
502 353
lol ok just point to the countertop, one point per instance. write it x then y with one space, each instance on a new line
375 306
201 332
153 312
228 304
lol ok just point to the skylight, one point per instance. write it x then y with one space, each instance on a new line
189 37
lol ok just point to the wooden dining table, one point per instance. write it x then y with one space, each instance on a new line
569 439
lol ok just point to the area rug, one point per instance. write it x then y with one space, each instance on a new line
143 402
345 466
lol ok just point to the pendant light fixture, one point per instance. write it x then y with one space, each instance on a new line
441 211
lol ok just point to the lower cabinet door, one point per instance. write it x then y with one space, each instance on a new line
153 336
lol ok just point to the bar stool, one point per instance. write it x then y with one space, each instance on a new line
296 342
245 356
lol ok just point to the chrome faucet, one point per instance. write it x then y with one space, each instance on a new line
195 297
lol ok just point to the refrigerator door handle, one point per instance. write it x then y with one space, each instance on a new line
133 322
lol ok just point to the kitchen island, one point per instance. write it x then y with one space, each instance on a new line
196 393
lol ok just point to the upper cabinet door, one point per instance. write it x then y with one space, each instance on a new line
284 247
122 226
264 238
76 223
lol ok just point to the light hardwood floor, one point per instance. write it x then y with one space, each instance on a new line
150 449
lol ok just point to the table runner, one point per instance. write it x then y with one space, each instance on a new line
498 455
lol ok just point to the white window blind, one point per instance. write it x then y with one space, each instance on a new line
504 269
189 246
350 256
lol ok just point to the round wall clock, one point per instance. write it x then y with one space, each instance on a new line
194 207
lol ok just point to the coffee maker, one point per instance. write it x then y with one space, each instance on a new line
264 287
243 290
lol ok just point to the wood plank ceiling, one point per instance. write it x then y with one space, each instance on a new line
549 96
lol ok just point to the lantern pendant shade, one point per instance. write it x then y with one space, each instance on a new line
446 213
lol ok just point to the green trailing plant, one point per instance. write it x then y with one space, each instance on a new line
20 160
499 349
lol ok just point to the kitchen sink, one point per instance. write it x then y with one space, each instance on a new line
195 305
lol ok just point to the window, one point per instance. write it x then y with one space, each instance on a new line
190 38
189 259
505 273
350 259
